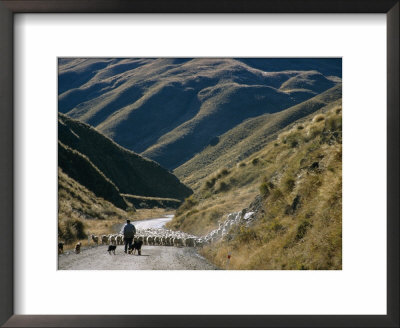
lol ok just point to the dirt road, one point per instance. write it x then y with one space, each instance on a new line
152 258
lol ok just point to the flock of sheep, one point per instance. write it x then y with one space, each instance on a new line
232 220
152 237
165 237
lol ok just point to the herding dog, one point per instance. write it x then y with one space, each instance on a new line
137 245
60 248
78 248
111 248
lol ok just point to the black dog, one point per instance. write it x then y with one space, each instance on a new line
60 248
137 245
111 248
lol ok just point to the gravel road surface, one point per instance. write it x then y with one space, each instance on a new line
152 258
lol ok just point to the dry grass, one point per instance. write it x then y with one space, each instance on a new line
81 213
299 176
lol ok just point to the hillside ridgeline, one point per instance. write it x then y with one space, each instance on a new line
85 154
249 137
169 109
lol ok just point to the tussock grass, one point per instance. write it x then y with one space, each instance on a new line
236 146
299 225
81 213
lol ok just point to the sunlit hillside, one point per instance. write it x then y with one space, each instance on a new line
294 185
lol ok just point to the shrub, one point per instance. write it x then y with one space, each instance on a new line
210 183
276 226
255 161
300 127
222 186
71 230
264 190
318 118
289 184
78 228
333 123
224 172
302 229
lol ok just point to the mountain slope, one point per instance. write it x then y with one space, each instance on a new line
292 188
170 109
129 172
83 171
249 137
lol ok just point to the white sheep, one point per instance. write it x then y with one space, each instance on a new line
95 239
118 240
149 240
111 240
104 239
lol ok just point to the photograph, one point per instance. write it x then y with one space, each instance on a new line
199 163
197 149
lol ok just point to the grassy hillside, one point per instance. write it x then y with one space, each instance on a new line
294 185
80 210
170 109
126 171
249 137
81 169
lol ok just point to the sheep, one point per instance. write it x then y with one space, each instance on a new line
95 239
118 240
111 240
189 242
104 239
157 240
162 241
150 240
177 242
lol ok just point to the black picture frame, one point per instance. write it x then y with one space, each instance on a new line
10 7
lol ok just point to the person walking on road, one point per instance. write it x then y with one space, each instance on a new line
128 231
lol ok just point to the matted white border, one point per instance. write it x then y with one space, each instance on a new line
360 288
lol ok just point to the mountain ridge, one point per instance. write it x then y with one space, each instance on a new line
169 109
129 172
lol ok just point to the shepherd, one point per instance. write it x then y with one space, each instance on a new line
128 231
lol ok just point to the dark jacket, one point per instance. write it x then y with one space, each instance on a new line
129 230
